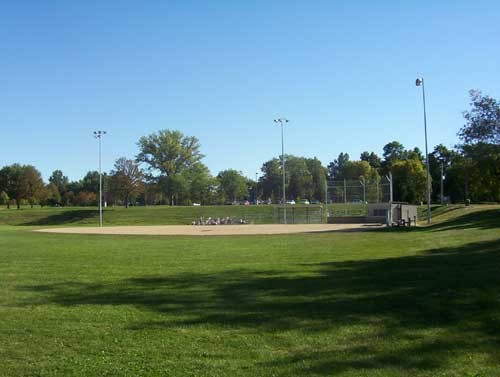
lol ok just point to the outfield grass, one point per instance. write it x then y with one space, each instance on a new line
424 302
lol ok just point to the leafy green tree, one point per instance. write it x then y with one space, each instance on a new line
170 153
176 186
49 195
335 168
414 153
481 149
11 182
125 179
75 186
271 180
409 179
372 158
4 198
90 183
483 175
31 184
299 179
394 151
202 186
355 170
60 180
440 153
319 178
232 184
482 121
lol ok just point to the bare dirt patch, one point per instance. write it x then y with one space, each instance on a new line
212 230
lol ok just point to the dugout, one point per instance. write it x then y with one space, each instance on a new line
394 213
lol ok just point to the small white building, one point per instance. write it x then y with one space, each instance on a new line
393 213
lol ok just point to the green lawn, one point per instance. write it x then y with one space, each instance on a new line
424 302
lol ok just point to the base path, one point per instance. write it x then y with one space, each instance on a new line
213 230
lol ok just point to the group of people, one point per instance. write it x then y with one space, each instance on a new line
217 221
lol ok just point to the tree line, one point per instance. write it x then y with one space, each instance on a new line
168 169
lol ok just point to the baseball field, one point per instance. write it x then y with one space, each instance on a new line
378 302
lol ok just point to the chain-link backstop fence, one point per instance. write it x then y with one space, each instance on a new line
351 197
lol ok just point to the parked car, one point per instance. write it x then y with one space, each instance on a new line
314 201
196 204
357 201
304 202
291 202
245 203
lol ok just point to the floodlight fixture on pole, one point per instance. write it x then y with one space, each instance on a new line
282 122
98 135
420 82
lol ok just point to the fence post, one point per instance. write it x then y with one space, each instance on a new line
345 197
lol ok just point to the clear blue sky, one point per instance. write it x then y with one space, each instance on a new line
342 71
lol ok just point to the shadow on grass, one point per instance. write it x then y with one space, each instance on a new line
417 312
65 217
487 219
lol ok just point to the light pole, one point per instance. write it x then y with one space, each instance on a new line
442 179
420 82
98 135
282 122
256 188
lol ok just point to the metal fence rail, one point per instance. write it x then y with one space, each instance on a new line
300 214
361 191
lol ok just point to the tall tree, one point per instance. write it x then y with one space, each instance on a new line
481 148
414 153
409 180
394 151
299 178
233 184
482 121
50 196
271 180
60 180
202 186
11 182
31 184
319 178
90 183
125 179
355 170
4 198
170 153
440 154
372 158
335 167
